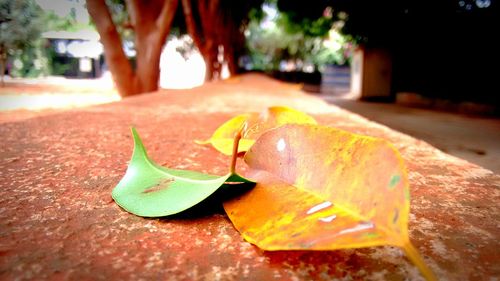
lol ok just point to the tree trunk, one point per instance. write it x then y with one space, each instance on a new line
151 21
2 70
233 48
230 59
210 56
214 23
205 32
210 71
148 72
148 47
3 63
117 61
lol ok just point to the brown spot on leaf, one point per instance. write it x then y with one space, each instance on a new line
164 183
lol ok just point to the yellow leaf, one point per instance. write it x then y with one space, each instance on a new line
321 188
254 124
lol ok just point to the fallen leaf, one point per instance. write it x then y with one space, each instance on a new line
254 124
150 190
222 138
320 188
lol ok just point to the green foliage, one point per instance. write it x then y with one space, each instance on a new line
32 61
20 24
337 51
20 30
56 67
318 27
290 37
51 21
268 46
150 190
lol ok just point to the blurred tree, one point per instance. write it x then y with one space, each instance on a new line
216 27
438 48
313 19
150 22
19 28
296 34
373 23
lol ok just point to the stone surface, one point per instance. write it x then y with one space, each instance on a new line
58 220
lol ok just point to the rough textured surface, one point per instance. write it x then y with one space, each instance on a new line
58 221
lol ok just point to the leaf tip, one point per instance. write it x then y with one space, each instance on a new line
133 130
414 256
135 135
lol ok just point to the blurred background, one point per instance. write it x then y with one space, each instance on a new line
370 57
423 52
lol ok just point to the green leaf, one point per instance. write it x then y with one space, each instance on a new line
150 190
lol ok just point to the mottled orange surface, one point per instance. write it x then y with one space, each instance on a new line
58 221
338 190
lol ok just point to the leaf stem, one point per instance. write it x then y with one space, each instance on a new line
236 143
418 261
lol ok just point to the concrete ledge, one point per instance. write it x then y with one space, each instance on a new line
58 221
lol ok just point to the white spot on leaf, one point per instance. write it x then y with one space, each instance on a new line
328 219
281 145
319 207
